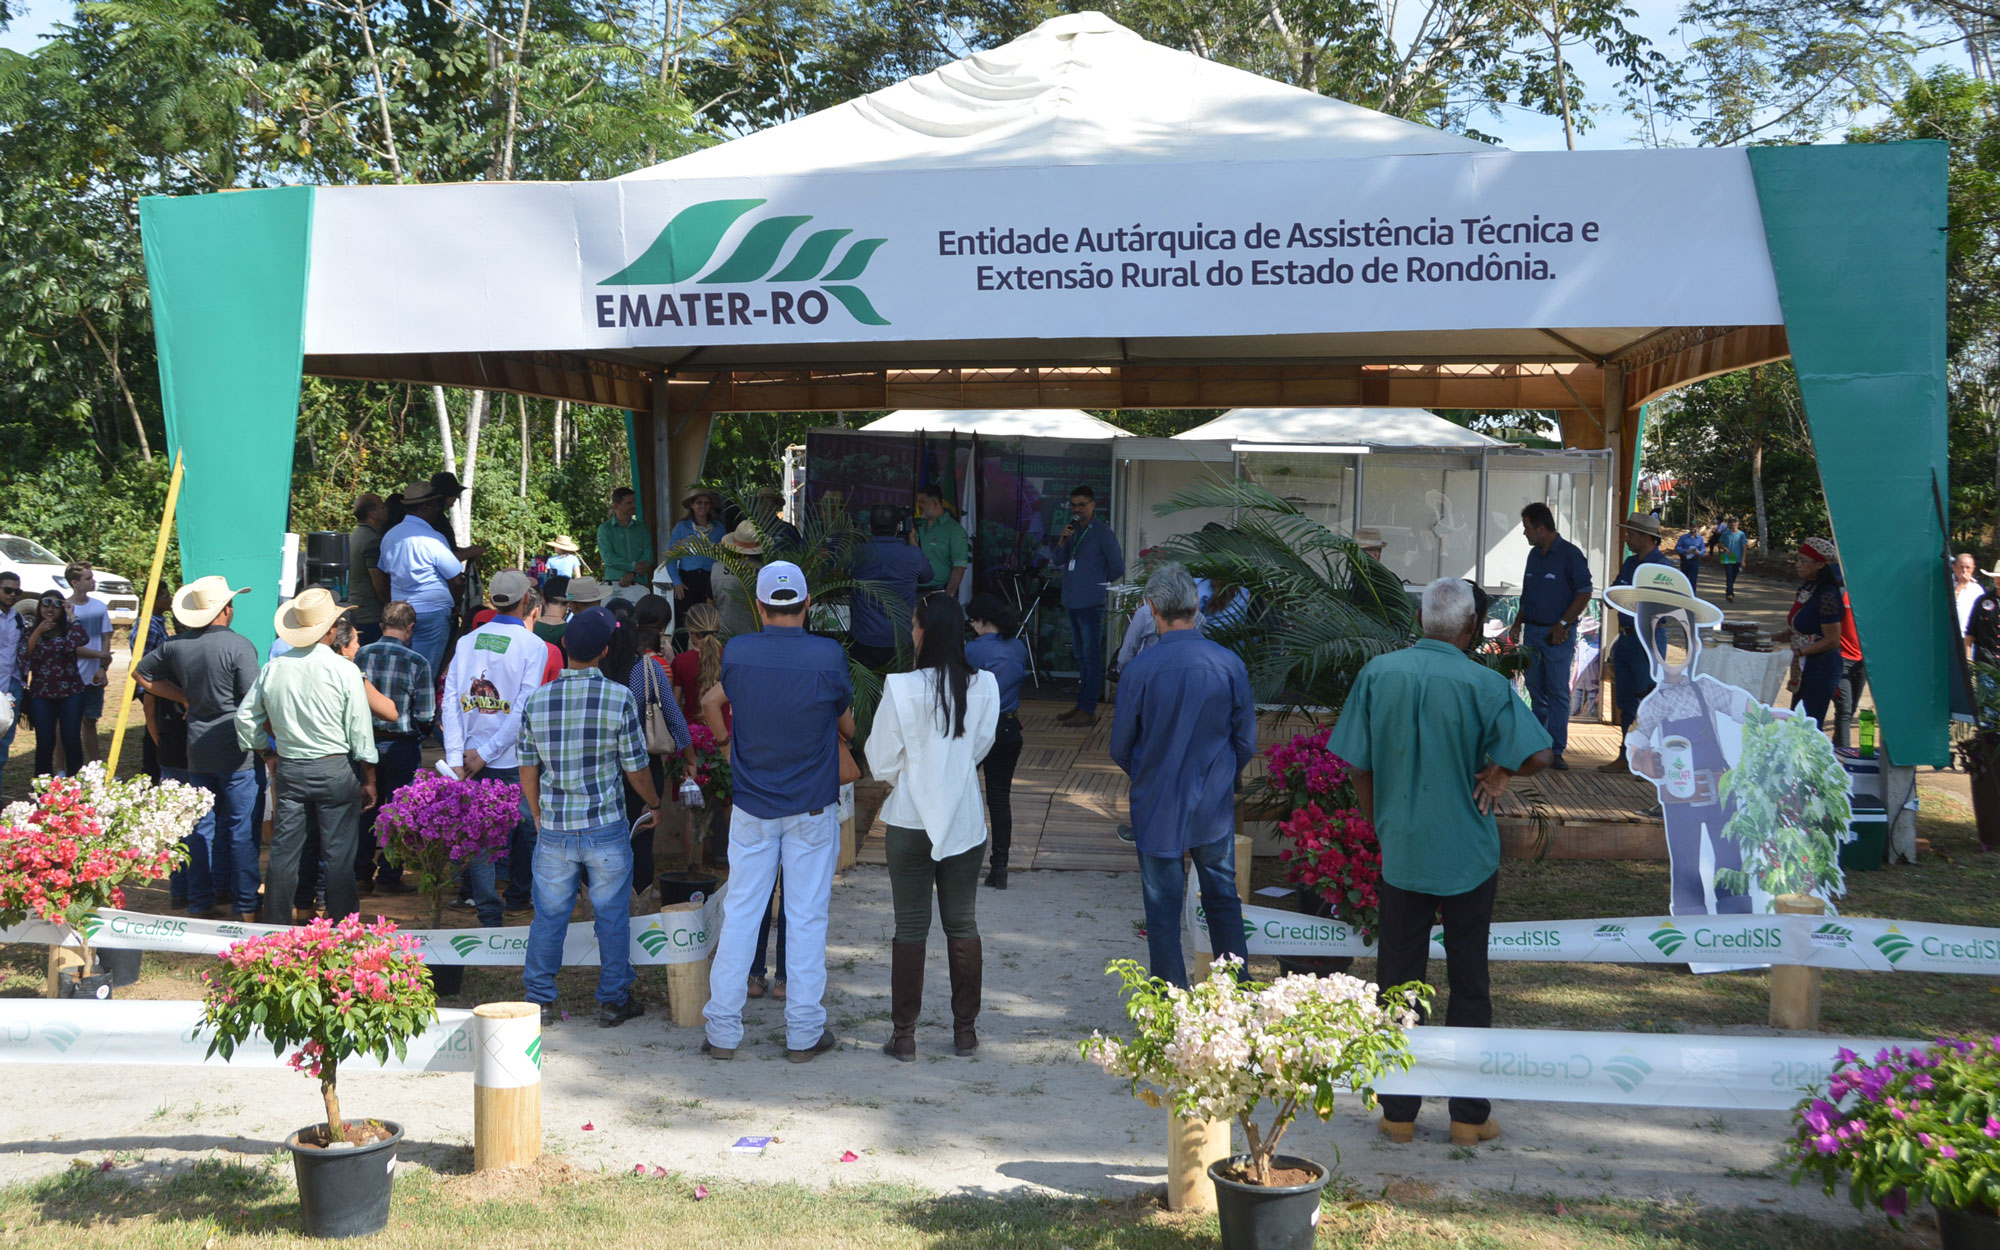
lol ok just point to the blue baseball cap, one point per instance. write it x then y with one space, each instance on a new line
781 584
588 634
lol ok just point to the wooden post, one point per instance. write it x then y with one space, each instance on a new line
62 959
506 1085
687 983
1191 1146
1204 962
1244 859
848 847
1795 990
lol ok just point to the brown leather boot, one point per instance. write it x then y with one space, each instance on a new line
967 963
906 999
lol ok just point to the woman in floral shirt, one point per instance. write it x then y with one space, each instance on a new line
47 664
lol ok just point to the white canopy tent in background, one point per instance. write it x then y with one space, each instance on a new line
1067 423
1080 219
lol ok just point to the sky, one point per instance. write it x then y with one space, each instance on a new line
1517 128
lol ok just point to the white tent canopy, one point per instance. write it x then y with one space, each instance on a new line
1066 423
1386 428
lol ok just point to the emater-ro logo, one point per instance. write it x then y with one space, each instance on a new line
682 252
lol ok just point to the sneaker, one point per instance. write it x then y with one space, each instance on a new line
611 1015
551 1015
724 1053
464 904
827 1041
1126 835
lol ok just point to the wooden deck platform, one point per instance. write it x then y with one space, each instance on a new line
1069 798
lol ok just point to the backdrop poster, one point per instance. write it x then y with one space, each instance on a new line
1754 801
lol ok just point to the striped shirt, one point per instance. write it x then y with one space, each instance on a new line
582 731
404 677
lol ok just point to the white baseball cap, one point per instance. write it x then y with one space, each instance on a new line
781 584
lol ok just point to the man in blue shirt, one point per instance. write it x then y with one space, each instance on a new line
790 703
1090 558
1184 728
900 568
1554 591
1631 670
1732 540
1689 549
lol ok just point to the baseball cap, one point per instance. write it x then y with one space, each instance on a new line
781 584
589 633
509 586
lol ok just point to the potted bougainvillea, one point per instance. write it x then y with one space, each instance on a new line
1911 1125
1331 854
332 991
436 823
1226 1048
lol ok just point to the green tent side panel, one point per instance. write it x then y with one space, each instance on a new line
1857 242
228 279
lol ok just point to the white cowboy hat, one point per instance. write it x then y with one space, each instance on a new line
304 621
563 543
1663 584
200 601
746 541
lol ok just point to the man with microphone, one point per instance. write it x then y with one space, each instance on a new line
1091 559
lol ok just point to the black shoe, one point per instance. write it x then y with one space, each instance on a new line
1560 764
464 904
997 879
827 1041
611 1015
551 1015
1126 835
724 1053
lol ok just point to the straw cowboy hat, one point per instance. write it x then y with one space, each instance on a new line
304 621
588 590
1369 536
745 541
1663 584
200 601
1644 522
563 543
702 492
420 491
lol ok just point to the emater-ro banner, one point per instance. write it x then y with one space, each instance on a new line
671 937
1853 942
1433 242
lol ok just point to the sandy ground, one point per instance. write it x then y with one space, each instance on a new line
1025 1114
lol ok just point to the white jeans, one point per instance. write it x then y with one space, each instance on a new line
807 847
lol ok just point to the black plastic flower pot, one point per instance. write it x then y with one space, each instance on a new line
1267 1217
1960 1229
123 965
687 887
1314 965
70 985
345 1192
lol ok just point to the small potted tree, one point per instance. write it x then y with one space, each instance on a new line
436 823
1792 812
1227 1047
335 991
1908 1126
72 850
1331 854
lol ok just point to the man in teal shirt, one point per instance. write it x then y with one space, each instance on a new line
624 546
1432 737
941 537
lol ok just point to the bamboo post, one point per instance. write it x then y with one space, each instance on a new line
687 983
1191 1146
1795 990
144 624
506 1085
1244 859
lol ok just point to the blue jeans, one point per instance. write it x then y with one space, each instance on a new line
1691 569
519 887
1086 636
1729 572
430 637
605 856
806 846
20 696
56 718
1163 879
1548 680
1819 680
228 838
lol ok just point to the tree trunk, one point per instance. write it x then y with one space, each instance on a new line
562 406
1757 492
118 375
475 415
444 429
329 1070
521 402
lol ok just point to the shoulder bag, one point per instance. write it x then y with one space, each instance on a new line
659 736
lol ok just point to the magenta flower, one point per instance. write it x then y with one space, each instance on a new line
1896 1202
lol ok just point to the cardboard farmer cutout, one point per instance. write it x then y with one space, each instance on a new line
1754 800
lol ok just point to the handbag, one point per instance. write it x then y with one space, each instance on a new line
659 738
849 771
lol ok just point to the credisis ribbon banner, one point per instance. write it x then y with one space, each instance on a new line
1852 942
671 937
155 1034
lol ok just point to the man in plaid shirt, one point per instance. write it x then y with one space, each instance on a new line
404 676
578 734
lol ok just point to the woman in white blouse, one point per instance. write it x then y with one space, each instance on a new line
932 728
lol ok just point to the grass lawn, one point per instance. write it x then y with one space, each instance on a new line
216 1206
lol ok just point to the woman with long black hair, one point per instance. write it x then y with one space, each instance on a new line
995 650
651 683
47 665
932 728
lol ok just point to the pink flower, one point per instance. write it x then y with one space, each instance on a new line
1896 1202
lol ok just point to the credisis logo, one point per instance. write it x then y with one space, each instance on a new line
466 945
1893 944
654 940
1667 938
794 293
92 923
1627 1070
535 1053
61 1034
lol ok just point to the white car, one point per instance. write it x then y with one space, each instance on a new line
41 569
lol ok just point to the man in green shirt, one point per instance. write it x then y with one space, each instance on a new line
364 552
941 537
1432 737
313 702
624 546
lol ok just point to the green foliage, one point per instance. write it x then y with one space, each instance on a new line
1792 809
1734 438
